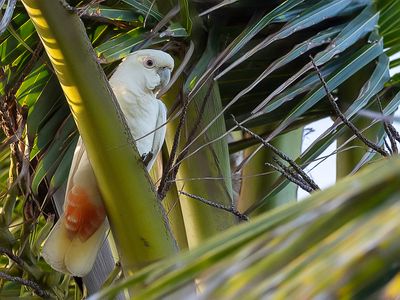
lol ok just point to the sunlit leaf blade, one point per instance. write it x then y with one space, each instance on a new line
11 48
256 251
15 34
13 72
17 20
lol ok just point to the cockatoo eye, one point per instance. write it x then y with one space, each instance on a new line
148 63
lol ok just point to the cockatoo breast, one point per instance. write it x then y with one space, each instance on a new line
140 112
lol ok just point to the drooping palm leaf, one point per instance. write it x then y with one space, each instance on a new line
282 253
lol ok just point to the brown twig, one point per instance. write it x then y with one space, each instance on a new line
282 155
12 115
389 132
295 175
12 256
350 125
301 184
173 170
216 205
394 132
29 283
163 187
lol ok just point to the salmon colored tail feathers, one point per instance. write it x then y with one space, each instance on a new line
73 244
82 216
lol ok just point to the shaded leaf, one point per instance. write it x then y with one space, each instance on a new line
321 144
112 13
365 22
51 159
354 63
318 13
275 252
61 174
185 15
145 8
122 44
241 40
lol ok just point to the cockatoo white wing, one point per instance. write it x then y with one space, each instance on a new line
57 242
159 134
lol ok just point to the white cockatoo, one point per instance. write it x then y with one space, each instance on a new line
74 241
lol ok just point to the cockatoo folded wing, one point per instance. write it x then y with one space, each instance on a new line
159 133
73 242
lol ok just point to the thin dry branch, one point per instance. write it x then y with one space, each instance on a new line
164 183
305 187
394 132
296 176
29 283
170 173
389 132
216 205
12 256
342 117
282 155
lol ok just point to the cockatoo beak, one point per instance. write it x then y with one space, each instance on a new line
165 76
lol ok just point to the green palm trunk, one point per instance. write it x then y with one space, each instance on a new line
206 174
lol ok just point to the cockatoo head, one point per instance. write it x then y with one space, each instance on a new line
151 69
